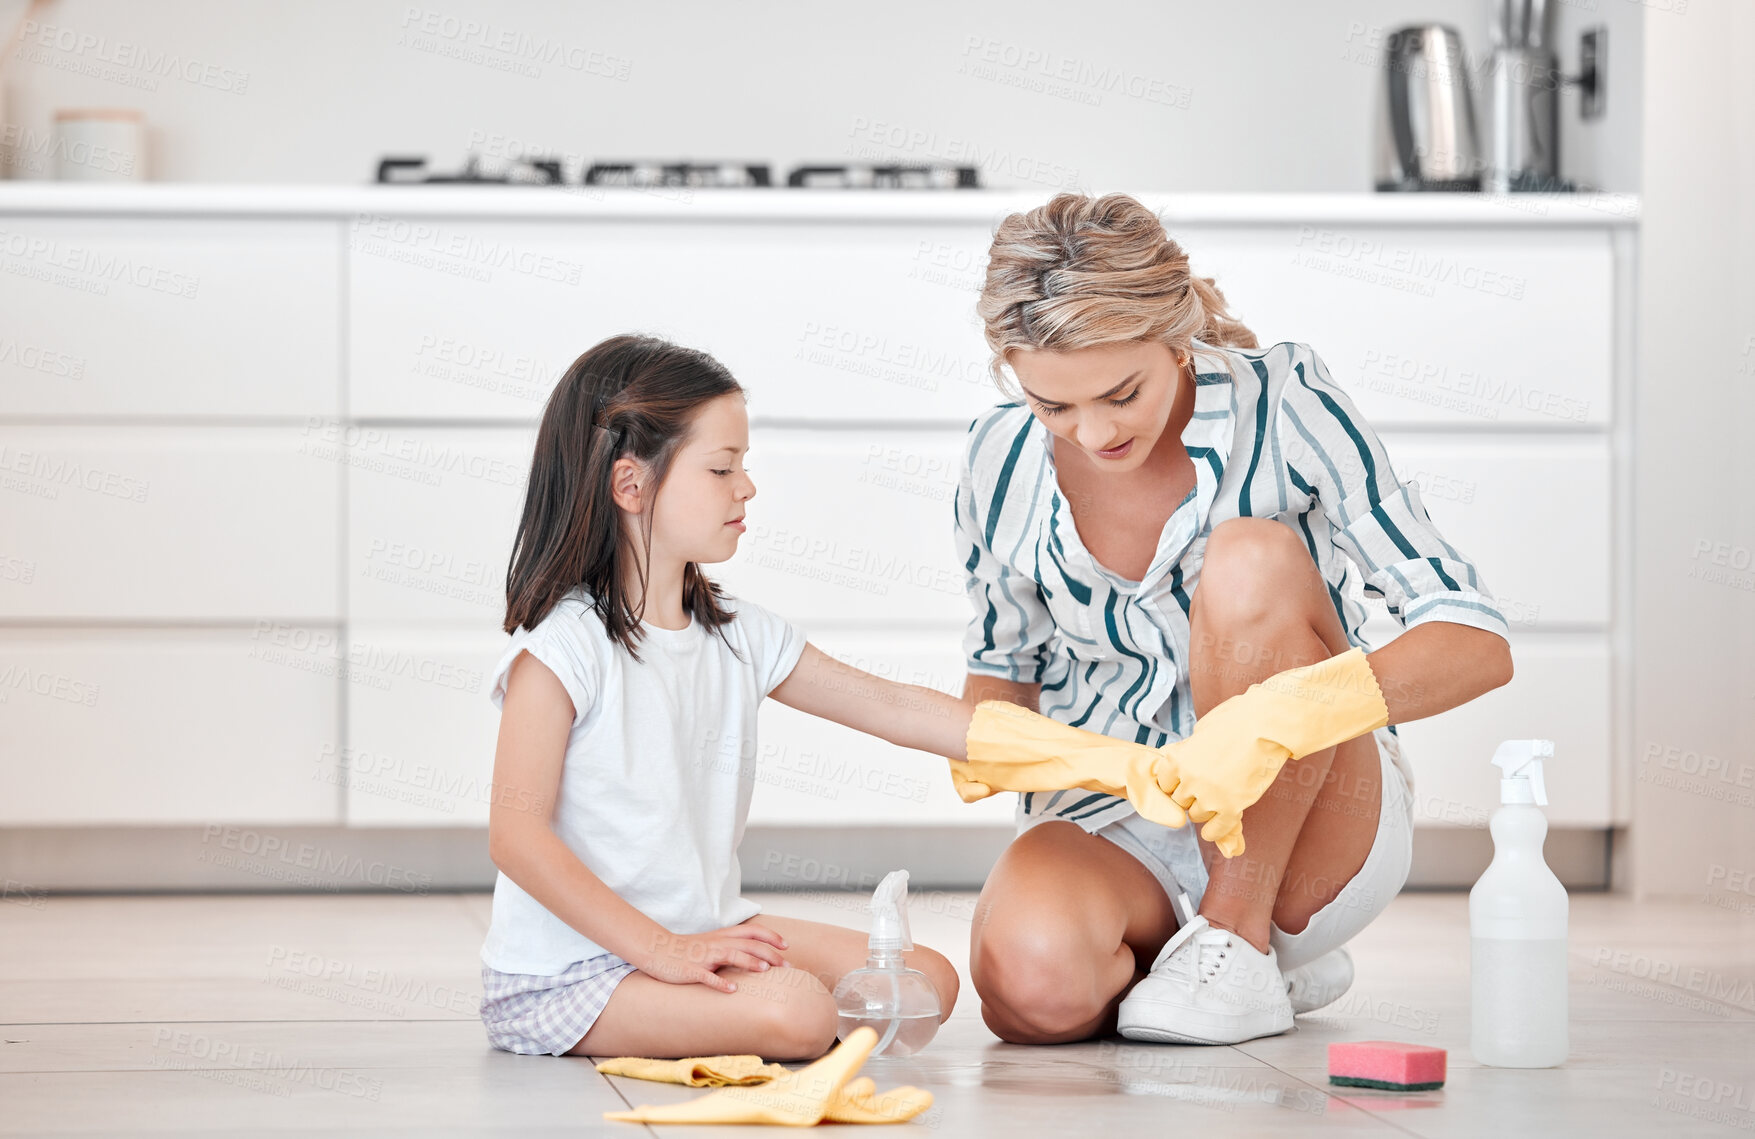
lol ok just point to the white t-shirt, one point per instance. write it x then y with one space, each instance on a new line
660 763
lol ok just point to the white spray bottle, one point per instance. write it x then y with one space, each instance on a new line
900 1003
1517 927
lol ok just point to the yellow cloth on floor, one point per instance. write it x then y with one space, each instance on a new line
1011 748
696 1071
859 1101
799 1099
1237 748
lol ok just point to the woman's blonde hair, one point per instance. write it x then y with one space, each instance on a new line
1081 271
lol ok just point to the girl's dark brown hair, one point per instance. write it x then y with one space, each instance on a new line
633 396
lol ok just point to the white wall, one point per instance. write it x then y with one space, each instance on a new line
1606 151
1694 613
1244 95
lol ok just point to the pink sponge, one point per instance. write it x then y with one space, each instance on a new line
1385 1064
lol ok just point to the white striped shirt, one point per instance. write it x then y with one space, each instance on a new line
1272 437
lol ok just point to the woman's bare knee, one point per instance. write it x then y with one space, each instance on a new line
1005 1025
1060 926
1245 571
1057 928
1040 983
1033 967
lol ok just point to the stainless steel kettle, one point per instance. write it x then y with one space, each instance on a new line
1426 137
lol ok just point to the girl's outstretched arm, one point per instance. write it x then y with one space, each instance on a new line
906 714
1016 748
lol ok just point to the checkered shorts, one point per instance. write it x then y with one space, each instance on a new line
545 1016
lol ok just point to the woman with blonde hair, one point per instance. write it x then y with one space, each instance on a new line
1160 535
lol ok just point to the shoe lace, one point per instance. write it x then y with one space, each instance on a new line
1198 953
1212 947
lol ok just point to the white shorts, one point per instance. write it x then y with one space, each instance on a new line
1173 858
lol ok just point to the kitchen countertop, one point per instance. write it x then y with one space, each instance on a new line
41 198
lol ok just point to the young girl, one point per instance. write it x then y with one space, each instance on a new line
625 758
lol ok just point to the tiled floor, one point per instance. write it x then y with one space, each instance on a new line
356 1014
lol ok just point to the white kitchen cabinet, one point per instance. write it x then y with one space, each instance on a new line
275 452
857 527
421 733
192 726
170 523
1533 516
853 528
1561 692
833 322
188 317
420 726
1469 328
431 516
813 772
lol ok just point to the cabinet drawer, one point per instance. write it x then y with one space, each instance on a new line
431 517
169 726
819 320
852 527
170 522
124 316
420 726
856 526
1533 514
421 734
1466 327
1560 692
812 771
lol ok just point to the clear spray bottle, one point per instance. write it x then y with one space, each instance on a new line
1517 927
900 1003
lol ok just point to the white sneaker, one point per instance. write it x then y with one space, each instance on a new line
1207 986
1320 982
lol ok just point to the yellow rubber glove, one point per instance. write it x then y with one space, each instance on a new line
1237 749
697 1071
798 1099
1011 748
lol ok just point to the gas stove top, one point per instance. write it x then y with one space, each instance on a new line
648 174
